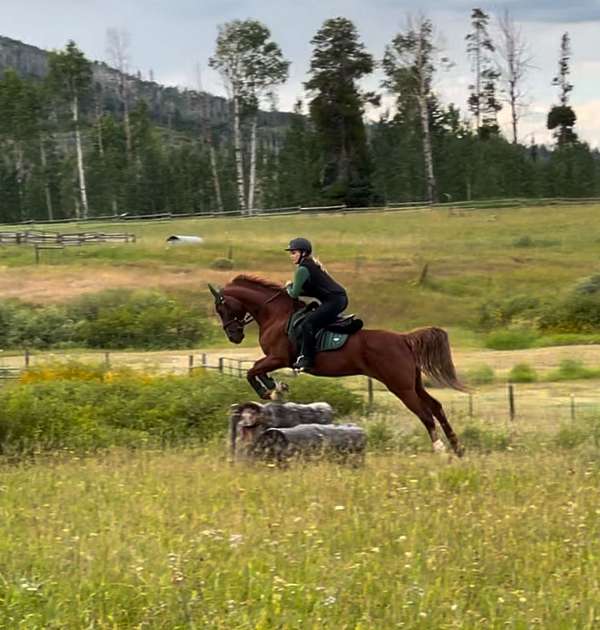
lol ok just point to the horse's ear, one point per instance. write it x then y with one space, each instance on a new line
216 294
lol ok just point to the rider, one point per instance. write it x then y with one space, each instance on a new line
312 280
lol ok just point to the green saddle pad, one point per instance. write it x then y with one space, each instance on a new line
326 339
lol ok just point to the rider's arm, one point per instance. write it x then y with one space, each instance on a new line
300 277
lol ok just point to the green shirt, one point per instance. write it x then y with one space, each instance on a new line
300 277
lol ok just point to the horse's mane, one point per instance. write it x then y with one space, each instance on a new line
245 278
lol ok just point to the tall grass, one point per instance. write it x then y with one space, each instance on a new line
183 540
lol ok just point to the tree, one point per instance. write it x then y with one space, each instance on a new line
251 65
117 48
70 76
409 65
515 62
338 62
482 101
562 117
208 140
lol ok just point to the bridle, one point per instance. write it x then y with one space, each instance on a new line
248 318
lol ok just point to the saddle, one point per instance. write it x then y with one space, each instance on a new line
333 337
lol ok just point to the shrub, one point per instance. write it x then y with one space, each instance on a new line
588 285
223 264
516 339
522 373
480 375
578 313
117 319
494 314
83 407
571 369
570 437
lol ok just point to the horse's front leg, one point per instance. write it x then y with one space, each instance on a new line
259 378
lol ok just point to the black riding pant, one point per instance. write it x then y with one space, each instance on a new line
321 317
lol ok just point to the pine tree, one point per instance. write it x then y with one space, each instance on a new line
339 61
561 117
483 101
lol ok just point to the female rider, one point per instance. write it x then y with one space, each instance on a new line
312 280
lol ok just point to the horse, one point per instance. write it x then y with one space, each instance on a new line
394 359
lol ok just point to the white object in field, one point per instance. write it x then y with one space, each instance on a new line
180 239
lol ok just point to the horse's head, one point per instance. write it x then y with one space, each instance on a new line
232 313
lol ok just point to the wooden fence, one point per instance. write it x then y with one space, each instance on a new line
511 402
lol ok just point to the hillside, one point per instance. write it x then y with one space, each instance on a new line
170 106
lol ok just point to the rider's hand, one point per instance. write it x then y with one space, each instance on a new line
288 284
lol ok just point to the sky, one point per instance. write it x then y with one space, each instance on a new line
172 37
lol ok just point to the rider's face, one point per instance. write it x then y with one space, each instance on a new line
295 255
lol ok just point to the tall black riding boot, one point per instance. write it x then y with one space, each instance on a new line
308 349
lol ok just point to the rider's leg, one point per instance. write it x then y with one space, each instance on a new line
324 315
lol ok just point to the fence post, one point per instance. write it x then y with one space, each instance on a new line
107 359
190 364
470 405
221 365
370 393
27 357
511 401
572 407
240 368
204 359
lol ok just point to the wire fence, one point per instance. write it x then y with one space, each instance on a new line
538 403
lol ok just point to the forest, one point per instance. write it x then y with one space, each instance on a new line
70 153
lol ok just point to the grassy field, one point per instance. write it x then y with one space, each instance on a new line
473 256
507 537
185 540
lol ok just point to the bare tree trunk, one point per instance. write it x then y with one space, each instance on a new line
126 124
515 63
252 177
237 147
215 176
99 130
46 183
427 152
80 168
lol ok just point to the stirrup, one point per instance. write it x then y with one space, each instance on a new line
302 363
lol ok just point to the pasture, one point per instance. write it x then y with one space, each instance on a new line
509 536
472 257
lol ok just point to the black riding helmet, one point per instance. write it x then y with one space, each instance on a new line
300 244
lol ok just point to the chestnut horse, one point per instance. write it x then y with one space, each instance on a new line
394 359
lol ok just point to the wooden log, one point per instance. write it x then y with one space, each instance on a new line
248 421
311 440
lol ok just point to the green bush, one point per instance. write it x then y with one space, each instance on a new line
571 436
522 373
578 313
516 339
571 369
494 314
588 285
480 375
117 319
112 319
75 406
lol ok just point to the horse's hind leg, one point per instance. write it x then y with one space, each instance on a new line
418 406
438 411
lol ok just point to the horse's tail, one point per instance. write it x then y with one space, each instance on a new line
431 350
